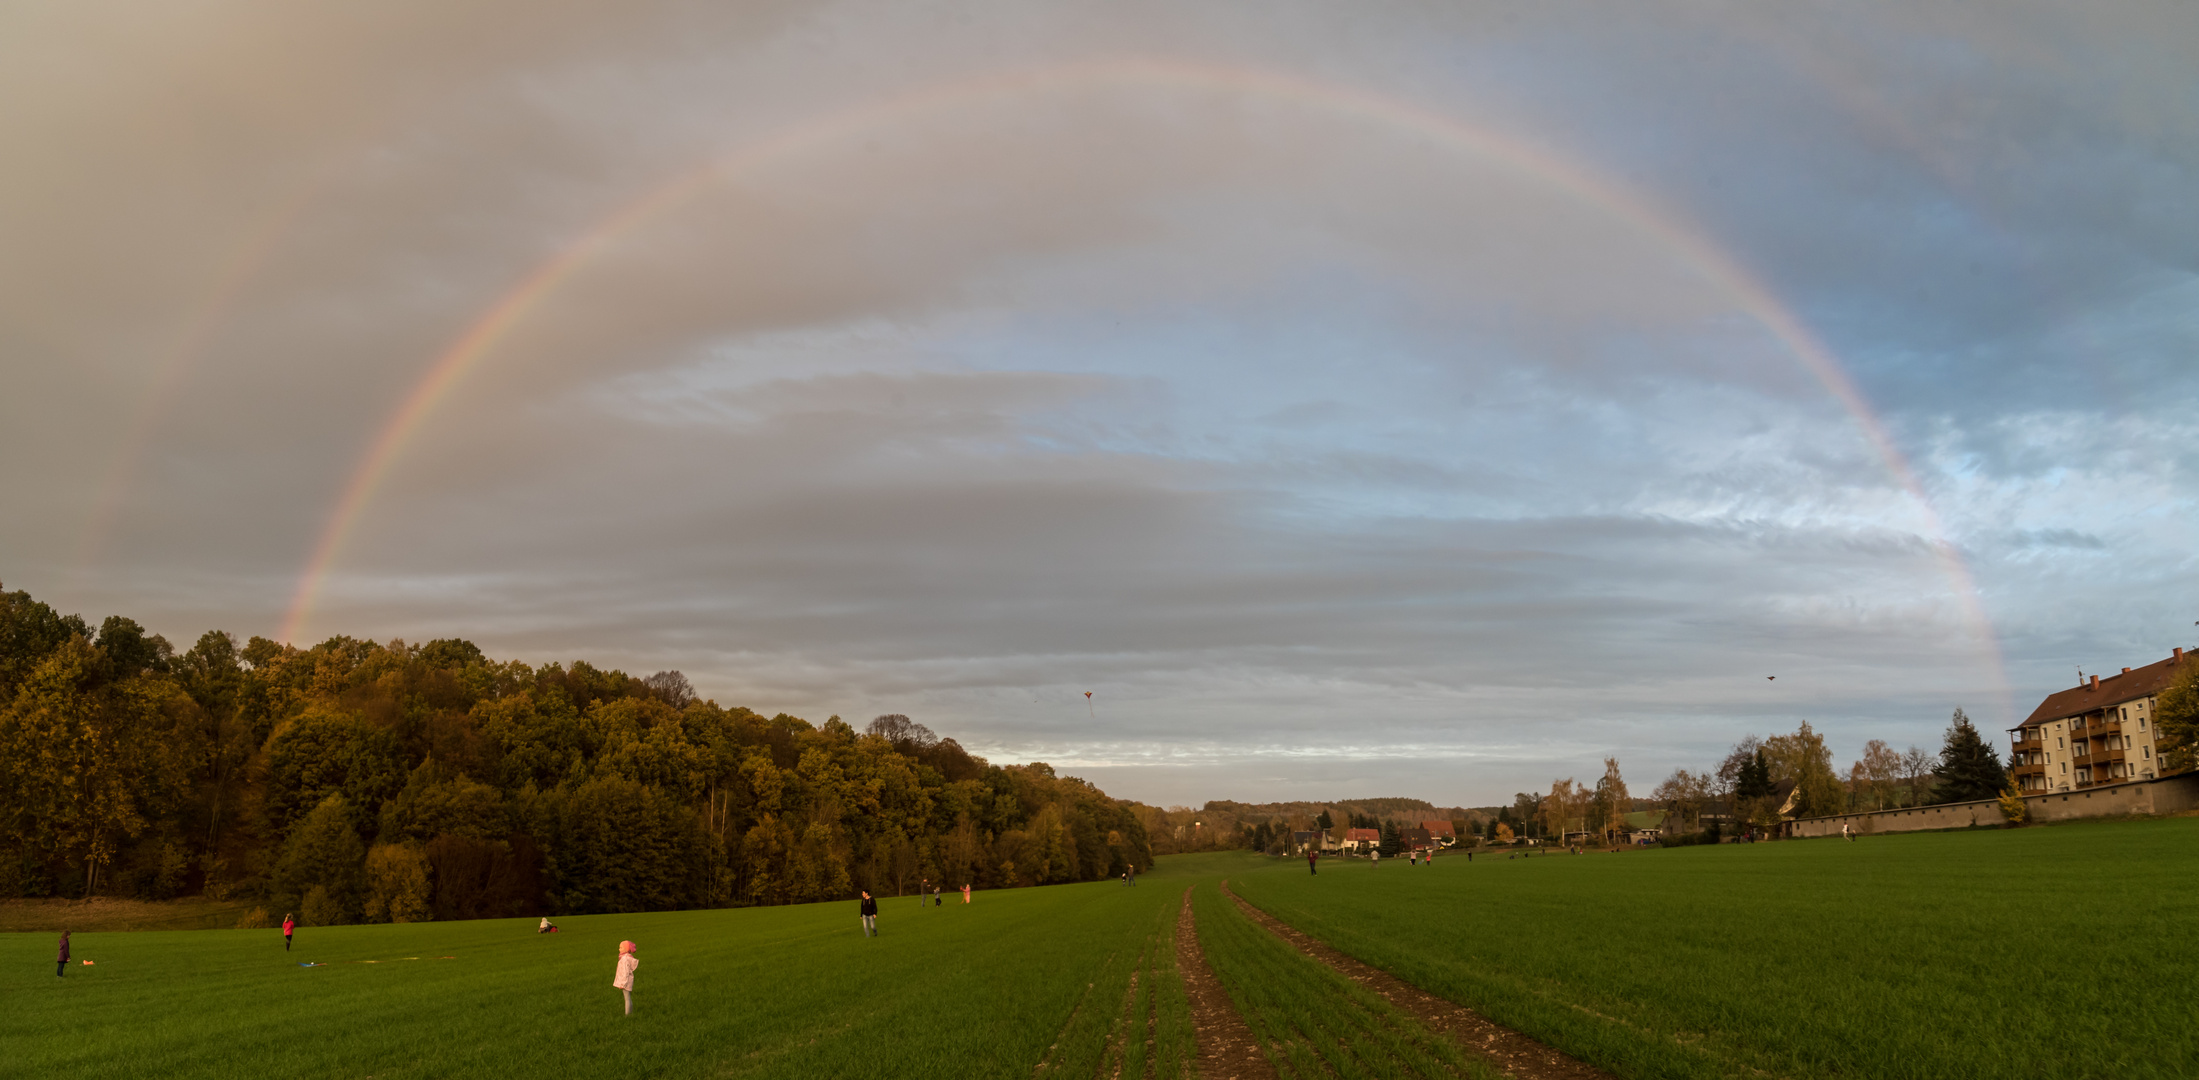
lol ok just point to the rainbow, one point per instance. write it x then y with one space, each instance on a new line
1705 256
178 356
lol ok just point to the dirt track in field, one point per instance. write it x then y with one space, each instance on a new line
1509 1050
1227 1048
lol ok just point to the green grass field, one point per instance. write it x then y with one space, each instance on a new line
2043 952
1019 978
2046 952
1312 1021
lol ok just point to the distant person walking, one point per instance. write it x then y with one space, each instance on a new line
965 892
1312 859
870 915
61 963
629 961
290 925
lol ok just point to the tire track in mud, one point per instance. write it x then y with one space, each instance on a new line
1227 1048
1516 1054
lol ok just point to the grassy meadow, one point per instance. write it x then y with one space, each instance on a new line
1017 979
1313 1021
2044 952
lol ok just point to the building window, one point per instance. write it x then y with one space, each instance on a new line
2065 768
2146 752
2141 723
2058 744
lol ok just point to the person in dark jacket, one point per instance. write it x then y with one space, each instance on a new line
61 967
1311 858
870 915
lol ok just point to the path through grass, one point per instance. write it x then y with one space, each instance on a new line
1311 1021
2044 952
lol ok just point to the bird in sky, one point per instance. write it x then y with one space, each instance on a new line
1769 678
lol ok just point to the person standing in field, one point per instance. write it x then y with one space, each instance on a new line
965 892
870 915
289 925
1312 858
61 965
629 961
936 901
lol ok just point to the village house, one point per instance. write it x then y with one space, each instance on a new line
1441 831
2099 732
1644 826
1362 841
1417 839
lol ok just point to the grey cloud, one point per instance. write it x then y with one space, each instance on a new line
1332 457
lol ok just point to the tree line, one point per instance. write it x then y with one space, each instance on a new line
355 780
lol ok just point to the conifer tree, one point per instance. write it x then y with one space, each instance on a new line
1969 768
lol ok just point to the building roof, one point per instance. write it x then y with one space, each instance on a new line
1645 819
2099 693
1363 834
1439 828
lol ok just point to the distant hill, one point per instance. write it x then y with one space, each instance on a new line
1397 809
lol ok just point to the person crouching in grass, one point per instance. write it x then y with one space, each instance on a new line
628 963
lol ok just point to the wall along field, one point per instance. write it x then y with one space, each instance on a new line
2043 952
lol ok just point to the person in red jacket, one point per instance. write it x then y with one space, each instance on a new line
1311 856
289 924
62 967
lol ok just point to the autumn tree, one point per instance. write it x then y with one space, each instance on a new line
1684 795
1803 758
1916 769
1562 807
91 752
1876 773
2176 722
517 788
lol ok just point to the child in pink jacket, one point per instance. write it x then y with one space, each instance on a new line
628 963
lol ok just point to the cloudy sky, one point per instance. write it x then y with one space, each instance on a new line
1386 398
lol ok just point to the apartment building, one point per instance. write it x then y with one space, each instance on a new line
2099 732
